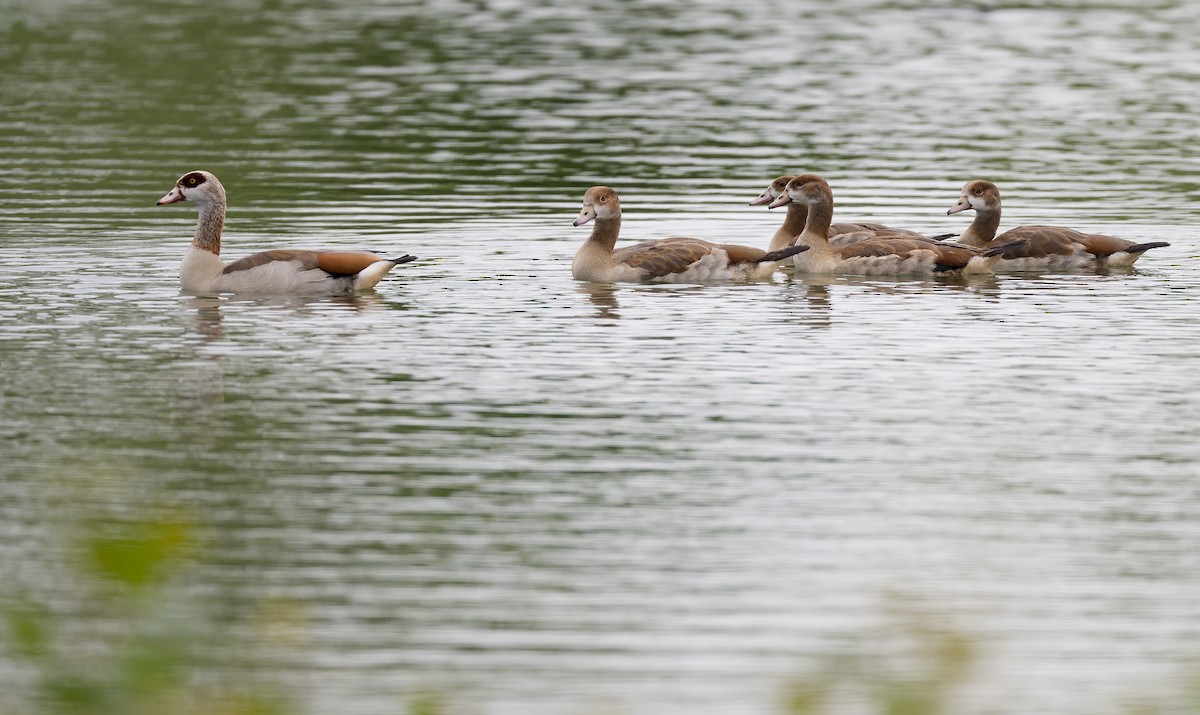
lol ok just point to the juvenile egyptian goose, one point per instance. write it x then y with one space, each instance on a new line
277 271
870 255
669 260
797 214
1040 247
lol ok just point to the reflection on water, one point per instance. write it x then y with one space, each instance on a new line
539 496
604 297
206 316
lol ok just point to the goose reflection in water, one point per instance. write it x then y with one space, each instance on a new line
206 321
204 384
604 297
814 295
205 316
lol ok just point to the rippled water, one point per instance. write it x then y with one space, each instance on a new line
539 496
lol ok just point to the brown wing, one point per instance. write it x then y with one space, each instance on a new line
840 228
1037 242
742 254
1056 240
837 228
1099 245
345 262
662 258
335 262
887 234
951 256
881 247
308 259
944 255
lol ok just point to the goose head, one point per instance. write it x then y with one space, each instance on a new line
198 186
808 189
979 195
774 191
598 202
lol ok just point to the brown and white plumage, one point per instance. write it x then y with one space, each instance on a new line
894 255
678 260
275 271
1039 247
797 214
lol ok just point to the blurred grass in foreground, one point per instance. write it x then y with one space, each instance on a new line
123 636
922 680
916 664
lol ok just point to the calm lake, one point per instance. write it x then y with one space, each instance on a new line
528 495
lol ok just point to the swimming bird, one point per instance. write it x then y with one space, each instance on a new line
870 255
275 271
674 260
797 214
1040 247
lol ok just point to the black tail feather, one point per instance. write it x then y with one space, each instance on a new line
944 236
1146 246
788 252
403 259
1003 248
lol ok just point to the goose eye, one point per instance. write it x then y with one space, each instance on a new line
603 199
978 191
191 181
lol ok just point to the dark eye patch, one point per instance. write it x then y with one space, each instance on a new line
193 179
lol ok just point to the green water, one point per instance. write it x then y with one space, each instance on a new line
524 494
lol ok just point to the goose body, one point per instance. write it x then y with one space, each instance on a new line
278 271
797 215
669 260
871 255
1039 248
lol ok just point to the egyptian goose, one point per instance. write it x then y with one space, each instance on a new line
673 260
797 214
1040 247
870 255
277 271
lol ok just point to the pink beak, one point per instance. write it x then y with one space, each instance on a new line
175 195
962 205
783 200
587 213
763 198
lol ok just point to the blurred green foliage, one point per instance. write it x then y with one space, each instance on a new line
910 667
129 640
139 553
122 638
914 664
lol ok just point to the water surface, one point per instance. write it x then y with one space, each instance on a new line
539 496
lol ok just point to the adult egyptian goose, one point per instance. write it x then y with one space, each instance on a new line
1040 247
797 214
870 255
277 271
669 260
